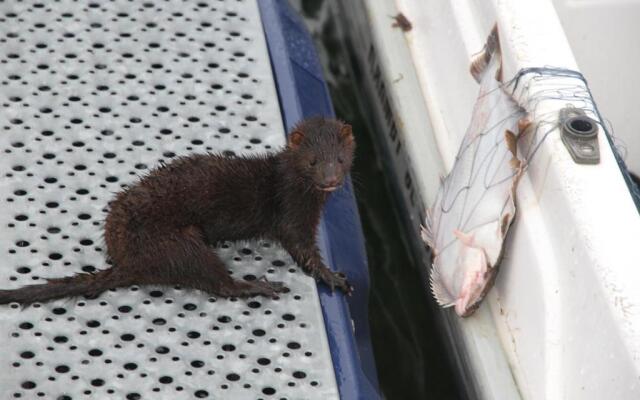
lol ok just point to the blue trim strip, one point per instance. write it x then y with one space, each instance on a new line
303 93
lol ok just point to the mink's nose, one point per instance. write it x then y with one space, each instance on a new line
330 177
331 181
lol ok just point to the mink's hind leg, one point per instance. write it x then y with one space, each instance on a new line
183 258
207 272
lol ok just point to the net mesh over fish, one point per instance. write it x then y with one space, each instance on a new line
471 215
475 206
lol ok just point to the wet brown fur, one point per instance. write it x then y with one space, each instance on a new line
160 231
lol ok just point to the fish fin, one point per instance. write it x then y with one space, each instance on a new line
524 124
515 163
518 165
505 222
439 290
426 231
467 239
511 140
480 60
499 72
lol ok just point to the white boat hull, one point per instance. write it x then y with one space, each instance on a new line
563 320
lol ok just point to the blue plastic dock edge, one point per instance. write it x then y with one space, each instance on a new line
303 93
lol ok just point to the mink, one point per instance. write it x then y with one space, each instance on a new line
160 231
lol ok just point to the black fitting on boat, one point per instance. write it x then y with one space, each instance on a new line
580 135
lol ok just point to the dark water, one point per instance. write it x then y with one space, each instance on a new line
409 351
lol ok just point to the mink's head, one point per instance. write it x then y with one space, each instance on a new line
321 150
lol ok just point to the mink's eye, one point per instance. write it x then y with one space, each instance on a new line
313 162
340 160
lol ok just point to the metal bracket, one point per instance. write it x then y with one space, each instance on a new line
580 135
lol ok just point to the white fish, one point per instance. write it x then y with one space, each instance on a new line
472 213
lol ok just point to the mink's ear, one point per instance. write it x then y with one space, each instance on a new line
346 134
295 139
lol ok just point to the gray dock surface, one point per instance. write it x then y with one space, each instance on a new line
93 95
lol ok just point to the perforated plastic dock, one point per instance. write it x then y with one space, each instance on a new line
93 95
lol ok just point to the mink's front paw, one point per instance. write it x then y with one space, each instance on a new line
334 280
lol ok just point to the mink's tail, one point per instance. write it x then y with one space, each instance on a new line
90 285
